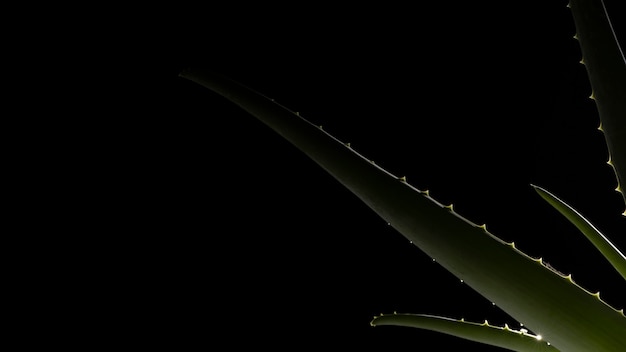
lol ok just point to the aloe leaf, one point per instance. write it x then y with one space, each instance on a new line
606 69
567 316
610 252
515 340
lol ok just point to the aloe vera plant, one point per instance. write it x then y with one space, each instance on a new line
562 315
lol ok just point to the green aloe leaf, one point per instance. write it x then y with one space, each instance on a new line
516 340
567 316
606 69
610 252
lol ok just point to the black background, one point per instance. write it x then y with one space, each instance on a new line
223 234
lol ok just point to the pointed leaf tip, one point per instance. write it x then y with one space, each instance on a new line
485 333
610 252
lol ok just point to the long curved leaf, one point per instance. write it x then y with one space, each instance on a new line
608 250
606 68
568 317
515 340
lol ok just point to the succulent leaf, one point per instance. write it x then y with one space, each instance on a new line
505 337
606 69
567 316
601 242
